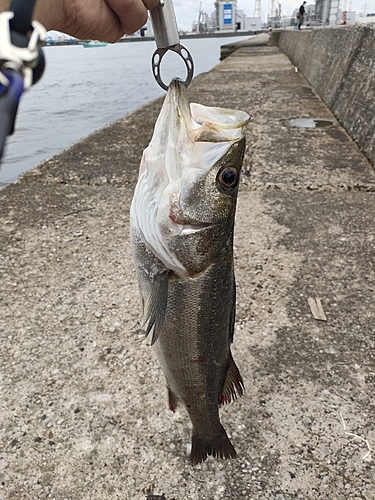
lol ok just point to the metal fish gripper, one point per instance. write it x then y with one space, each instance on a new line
167 38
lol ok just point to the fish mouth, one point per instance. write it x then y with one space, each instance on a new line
185 230
180 227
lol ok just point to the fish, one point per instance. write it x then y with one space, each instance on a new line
182 222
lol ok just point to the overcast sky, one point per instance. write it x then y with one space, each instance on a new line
187 10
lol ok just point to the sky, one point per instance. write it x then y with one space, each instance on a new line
187 11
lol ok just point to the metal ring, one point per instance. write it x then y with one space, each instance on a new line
181 51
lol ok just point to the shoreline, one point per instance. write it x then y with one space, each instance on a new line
151 38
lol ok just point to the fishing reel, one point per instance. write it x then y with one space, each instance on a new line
21 52
22 64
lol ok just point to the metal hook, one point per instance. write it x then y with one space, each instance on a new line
181 51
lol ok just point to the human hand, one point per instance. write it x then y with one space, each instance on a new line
106 20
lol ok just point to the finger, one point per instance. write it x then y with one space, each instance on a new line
85 19
132 14
150 4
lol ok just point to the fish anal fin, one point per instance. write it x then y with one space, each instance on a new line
172 401
233 385
155 305
218 446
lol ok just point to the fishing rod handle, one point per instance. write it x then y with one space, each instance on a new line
10 96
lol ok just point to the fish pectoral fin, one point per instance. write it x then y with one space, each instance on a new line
233 385
155 305
218 446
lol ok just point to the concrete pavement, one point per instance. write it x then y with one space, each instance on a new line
83 411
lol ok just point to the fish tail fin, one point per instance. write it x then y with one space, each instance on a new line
233 385
218 446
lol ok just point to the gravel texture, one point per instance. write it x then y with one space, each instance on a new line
83 412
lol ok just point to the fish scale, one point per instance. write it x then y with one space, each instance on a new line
196 323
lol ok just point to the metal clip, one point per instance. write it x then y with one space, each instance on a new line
167 38
20 59
181 51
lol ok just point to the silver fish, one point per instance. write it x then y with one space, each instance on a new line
182 221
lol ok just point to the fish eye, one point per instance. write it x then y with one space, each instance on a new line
228 178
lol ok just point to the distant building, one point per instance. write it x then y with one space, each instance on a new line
203 25
226 15
311 17
368 18
247 23
328 11
348 17
322 9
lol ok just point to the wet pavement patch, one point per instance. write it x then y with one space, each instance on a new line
311 122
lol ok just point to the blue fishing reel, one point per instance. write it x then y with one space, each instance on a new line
22 61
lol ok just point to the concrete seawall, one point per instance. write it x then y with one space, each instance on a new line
339 63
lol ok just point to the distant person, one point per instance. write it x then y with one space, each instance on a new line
301 13
106 20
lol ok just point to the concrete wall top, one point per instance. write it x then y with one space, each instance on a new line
339 63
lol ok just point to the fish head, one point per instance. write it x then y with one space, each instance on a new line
184 203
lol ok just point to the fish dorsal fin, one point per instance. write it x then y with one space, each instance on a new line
155 305
233 385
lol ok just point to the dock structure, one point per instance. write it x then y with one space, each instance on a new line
82 399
